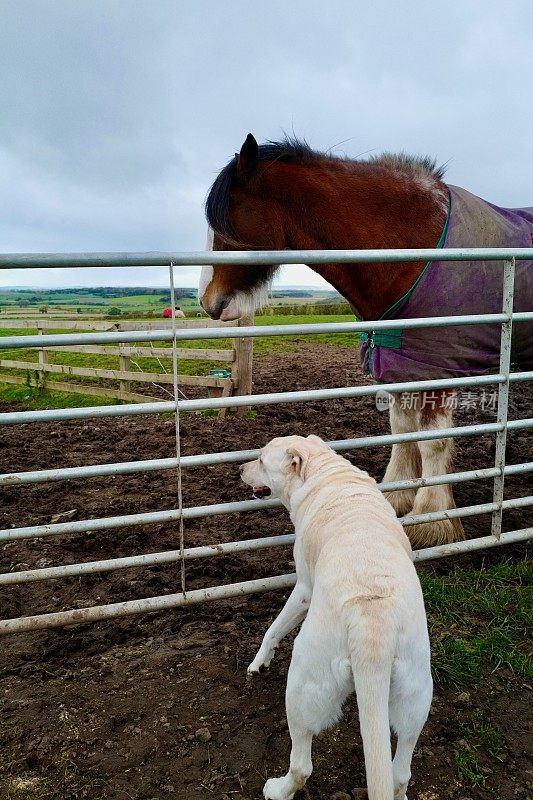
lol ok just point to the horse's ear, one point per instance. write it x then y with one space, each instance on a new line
249 156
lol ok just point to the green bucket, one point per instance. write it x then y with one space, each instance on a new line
219 373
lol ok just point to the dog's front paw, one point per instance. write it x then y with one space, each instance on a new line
276 789
261 661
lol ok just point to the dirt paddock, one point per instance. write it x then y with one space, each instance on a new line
158 706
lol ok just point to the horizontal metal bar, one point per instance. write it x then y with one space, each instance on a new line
152 604
222 257
148 604
238 456
196 512
151 559
125 520
466 511
145 560
271 398
246 331
455 477
470 545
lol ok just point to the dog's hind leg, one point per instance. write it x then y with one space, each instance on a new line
409 702
317 686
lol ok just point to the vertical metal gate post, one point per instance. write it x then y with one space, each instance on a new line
503 393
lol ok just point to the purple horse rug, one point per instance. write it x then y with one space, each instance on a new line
447 288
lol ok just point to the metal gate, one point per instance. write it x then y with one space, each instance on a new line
502 379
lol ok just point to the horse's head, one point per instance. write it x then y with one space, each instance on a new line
241 217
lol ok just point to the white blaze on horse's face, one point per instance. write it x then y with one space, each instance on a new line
206 275
223 305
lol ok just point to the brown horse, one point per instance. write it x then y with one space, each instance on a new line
283 195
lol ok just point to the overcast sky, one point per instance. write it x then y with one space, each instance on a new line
116 115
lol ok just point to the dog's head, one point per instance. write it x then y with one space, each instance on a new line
282 466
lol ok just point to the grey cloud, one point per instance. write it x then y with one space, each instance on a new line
117 114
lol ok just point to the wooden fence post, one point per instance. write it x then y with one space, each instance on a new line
43 358
124 366
243 364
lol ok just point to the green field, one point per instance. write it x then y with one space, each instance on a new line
139 301
132 304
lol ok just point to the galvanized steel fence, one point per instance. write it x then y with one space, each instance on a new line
502 379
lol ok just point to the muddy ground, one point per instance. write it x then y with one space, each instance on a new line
158 706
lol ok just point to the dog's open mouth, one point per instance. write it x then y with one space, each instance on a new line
259 492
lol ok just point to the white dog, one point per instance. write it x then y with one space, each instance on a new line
365 626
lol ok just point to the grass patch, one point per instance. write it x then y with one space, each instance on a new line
479 743
37 399
482 734
467 766
480 619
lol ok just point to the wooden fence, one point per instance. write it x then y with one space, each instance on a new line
238 357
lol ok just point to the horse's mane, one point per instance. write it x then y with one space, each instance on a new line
298 151
411 165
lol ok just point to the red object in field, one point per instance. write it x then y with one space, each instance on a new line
167 312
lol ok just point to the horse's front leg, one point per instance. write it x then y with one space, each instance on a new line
436 455
405 462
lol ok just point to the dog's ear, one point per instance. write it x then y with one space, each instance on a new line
315 439
299 458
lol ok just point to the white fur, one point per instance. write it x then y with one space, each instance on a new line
422 459
206 275
245 303
405 461
364 625
429 184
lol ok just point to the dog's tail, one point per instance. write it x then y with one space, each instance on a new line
371 656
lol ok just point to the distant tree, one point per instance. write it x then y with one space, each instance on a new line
23 303
114 312
78 310
43 309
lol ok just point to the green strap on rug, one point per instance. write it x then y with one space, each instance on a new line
393 337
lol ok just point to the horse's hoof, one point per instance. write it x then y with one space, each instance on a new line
430 534
402 501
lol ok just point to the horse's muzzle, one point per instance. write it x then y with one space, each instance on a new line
216 307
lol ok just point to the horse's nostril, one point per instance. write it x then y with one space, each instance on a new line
222 305
216 308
